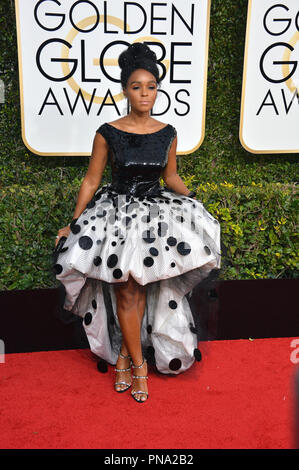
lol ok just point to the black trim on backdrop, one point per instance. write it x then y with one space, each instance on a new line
34 320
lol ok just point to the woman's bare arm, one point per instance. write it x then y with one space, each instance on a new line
93 177
169 174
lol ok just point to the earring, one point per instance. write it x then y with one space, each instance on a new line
126 109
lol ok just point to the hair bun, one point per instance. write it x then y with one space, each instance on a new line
137 56
134 53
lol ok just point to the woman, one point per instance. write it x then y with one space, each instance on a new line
130 258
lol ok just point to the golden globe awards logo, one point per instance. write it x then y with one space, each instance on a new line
69 74
270 95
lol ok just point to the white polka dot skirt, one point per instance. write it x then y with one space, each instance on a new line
169 243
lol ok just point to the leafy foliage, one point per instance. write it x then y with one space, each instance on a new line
252 196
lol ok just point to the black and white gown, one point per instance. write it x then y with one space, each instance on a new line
134 226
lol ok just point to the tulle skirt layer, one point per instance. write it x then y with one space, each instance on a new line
168 243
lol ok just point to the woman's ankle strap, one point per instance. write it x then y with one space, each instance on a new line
138 367
124 357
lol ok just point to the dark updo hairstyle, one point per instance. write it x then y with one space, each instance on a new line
137 56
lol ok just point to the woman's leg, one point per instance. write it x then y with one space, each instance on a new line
141 302
131 298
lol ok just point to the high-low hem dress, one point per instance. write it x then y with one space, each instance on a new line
134 226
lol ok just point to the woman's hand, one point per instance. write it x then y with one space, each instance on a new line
63 232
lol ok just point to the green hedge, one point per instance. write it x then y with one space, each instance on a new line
258 225
253 196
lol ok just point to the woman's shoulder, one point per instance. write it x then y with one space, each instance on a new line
101 128
104 129
159 125
171 130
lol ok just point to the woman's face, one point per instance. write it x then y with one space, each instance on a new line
141 90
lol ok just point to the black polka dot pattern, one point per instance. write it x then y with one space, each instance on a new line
155 236
87 318
75 228
148 261
197 354
58 268
172 304
85 242
153 251
175 364
91 204
112 261
97 261
162 229
126 221
117 273
171 241
101 213
148 236
207 250
184 248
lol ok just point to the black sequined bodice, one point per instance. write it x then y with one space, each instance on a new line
137 160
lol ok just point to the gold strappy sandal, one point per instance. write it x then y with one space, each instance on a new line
123 370
141 392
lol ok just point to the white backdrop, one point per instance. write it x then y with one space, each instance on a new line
269 120
69 75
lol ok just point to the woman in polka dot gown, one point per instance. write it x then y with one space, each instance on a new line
135 249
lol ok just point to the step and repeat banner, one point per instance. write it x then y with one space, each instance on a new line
69 74
269 121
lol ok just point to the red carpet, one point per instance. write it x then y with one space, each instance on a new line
240 396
